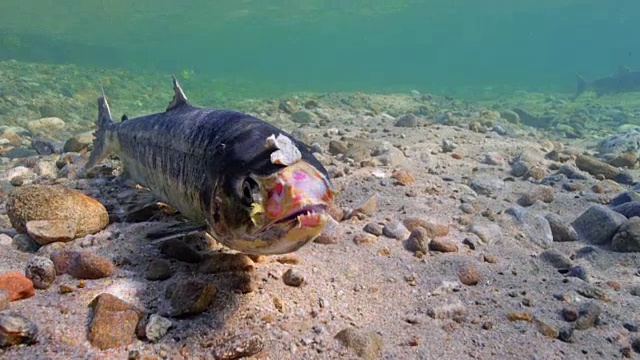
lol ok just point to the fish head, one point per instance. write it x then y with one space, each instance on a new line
277 213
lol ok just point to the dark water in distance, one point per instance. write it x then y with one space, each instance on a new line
335 45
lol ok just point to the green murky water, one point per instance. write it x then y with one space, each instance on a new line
256 47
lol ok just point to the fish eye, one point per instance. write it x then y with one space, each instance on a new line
249 191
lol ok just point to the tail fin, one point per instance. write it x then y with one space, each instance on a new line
104 122
582 85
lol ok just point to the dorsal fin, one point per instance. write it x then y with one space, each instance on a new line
179 98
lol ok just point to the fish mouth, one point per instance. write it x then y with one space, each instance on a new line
306 211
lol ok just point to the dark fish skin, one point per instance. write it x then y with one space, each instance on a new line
197 149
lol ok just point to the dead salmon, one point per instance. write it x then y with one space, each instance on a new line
249 184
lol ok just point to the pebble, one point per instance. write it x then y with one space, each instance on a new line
302 117
589 313
24 242
520 316
519 168
157 327
579 272
624 197
16 329
364 238
631 327
238 347
79 142
373 228
41 271
407 120
598 224
367 345
4 299
337 147
561 230
594 293
565 334
488 185
82 264
113 323
452 310
546 329
403 177
395 230
556 259
628 209
468 274
570 314
225 262
293 278
418 240
179 250
159 269
493 158
627 238
596 167
48 231
535 227
488 233
448 145
44 202
331 233
434 229
366 207
541 193
635 344
442 245
16 285
189 297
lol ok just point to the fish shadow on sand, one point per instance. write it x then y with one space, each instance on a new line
196 297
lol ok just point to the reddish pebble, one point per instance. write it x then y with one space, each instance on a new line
81 264
17 286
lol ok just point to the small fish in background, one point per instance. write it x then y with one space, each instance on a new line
623 81
250 185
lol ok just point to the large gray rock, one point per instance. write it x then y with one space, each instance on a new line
598 224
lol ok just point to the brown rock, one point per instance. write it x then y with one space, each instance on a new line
468 274
337 147
366 207
79 143
367 345
113 323
364 238
596 167
223 262
627 159
45 202
16 285
49 231
239 347
434 229
81 264
330 234
189 297
519 316
16 329
403 177
443 245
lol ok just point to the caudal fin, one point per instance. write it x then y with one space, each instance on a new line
581 85
104 122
